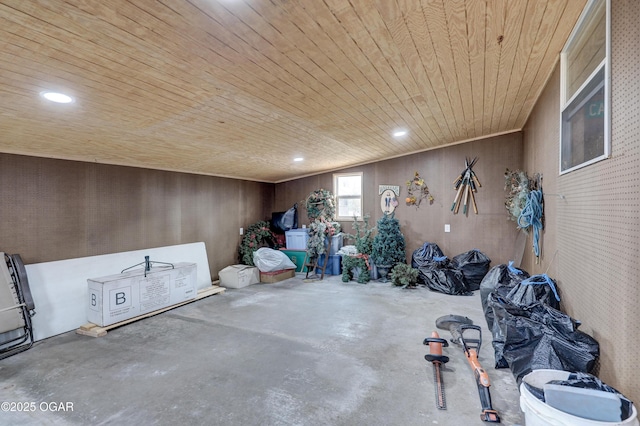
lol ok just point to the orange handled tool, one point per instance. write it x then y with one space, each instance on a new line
471 348
437 359
458 325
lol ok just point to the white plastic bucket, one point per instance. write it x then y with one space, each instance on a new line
537 413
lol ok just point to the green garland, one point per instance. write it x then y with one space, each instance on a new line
257 235
321 203
319 230
315 244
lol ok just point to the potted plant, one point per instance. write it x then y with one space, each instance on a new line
357 264
404 275
388 245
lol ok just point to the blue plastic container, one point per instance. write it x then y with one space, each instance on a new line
333 266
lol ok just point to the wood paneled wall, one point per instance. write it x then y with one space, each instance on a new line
595 225
489 231
56 209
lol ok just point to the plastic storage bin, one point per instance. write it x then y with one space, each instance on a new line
297 257
297 238
336 243
333 266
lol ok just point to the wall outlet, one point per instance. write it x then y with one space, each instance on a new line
447 227
241 231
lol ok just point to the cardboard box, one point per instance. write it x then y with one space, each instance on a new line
238 276
274 277
118 297
297 238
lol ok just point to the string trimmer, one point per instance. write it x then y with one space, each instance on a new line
459 326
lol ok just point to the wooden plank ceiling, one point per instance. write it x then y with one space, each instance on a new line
239 88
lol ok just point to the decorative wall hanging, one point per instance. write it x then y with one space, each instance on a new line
417 190
466 184
388 198
517 184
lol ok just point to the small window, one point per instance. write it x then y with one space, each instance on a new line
348 190
584 90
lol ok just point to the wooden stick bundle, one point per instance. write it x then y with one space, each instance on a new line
466 184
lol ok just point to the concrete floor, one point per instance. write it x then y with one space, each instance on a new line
289 353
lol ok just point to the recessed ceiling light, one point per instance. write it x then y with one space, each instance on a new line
298 159
60 98
399 133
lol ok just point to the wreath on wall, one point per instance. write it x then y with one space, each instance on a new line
257 235
518 185
321 203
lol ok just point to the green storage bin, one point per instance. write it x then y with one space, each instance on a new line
297 257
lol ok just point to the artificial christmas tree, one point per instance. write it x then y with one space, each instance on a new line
388 245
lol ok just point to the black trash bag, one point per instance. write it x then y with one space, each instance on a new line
422 259
540 337
285 221
589 381
442 277
441 262
494 300
502 278
502 308
425 254
537 288
474 266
